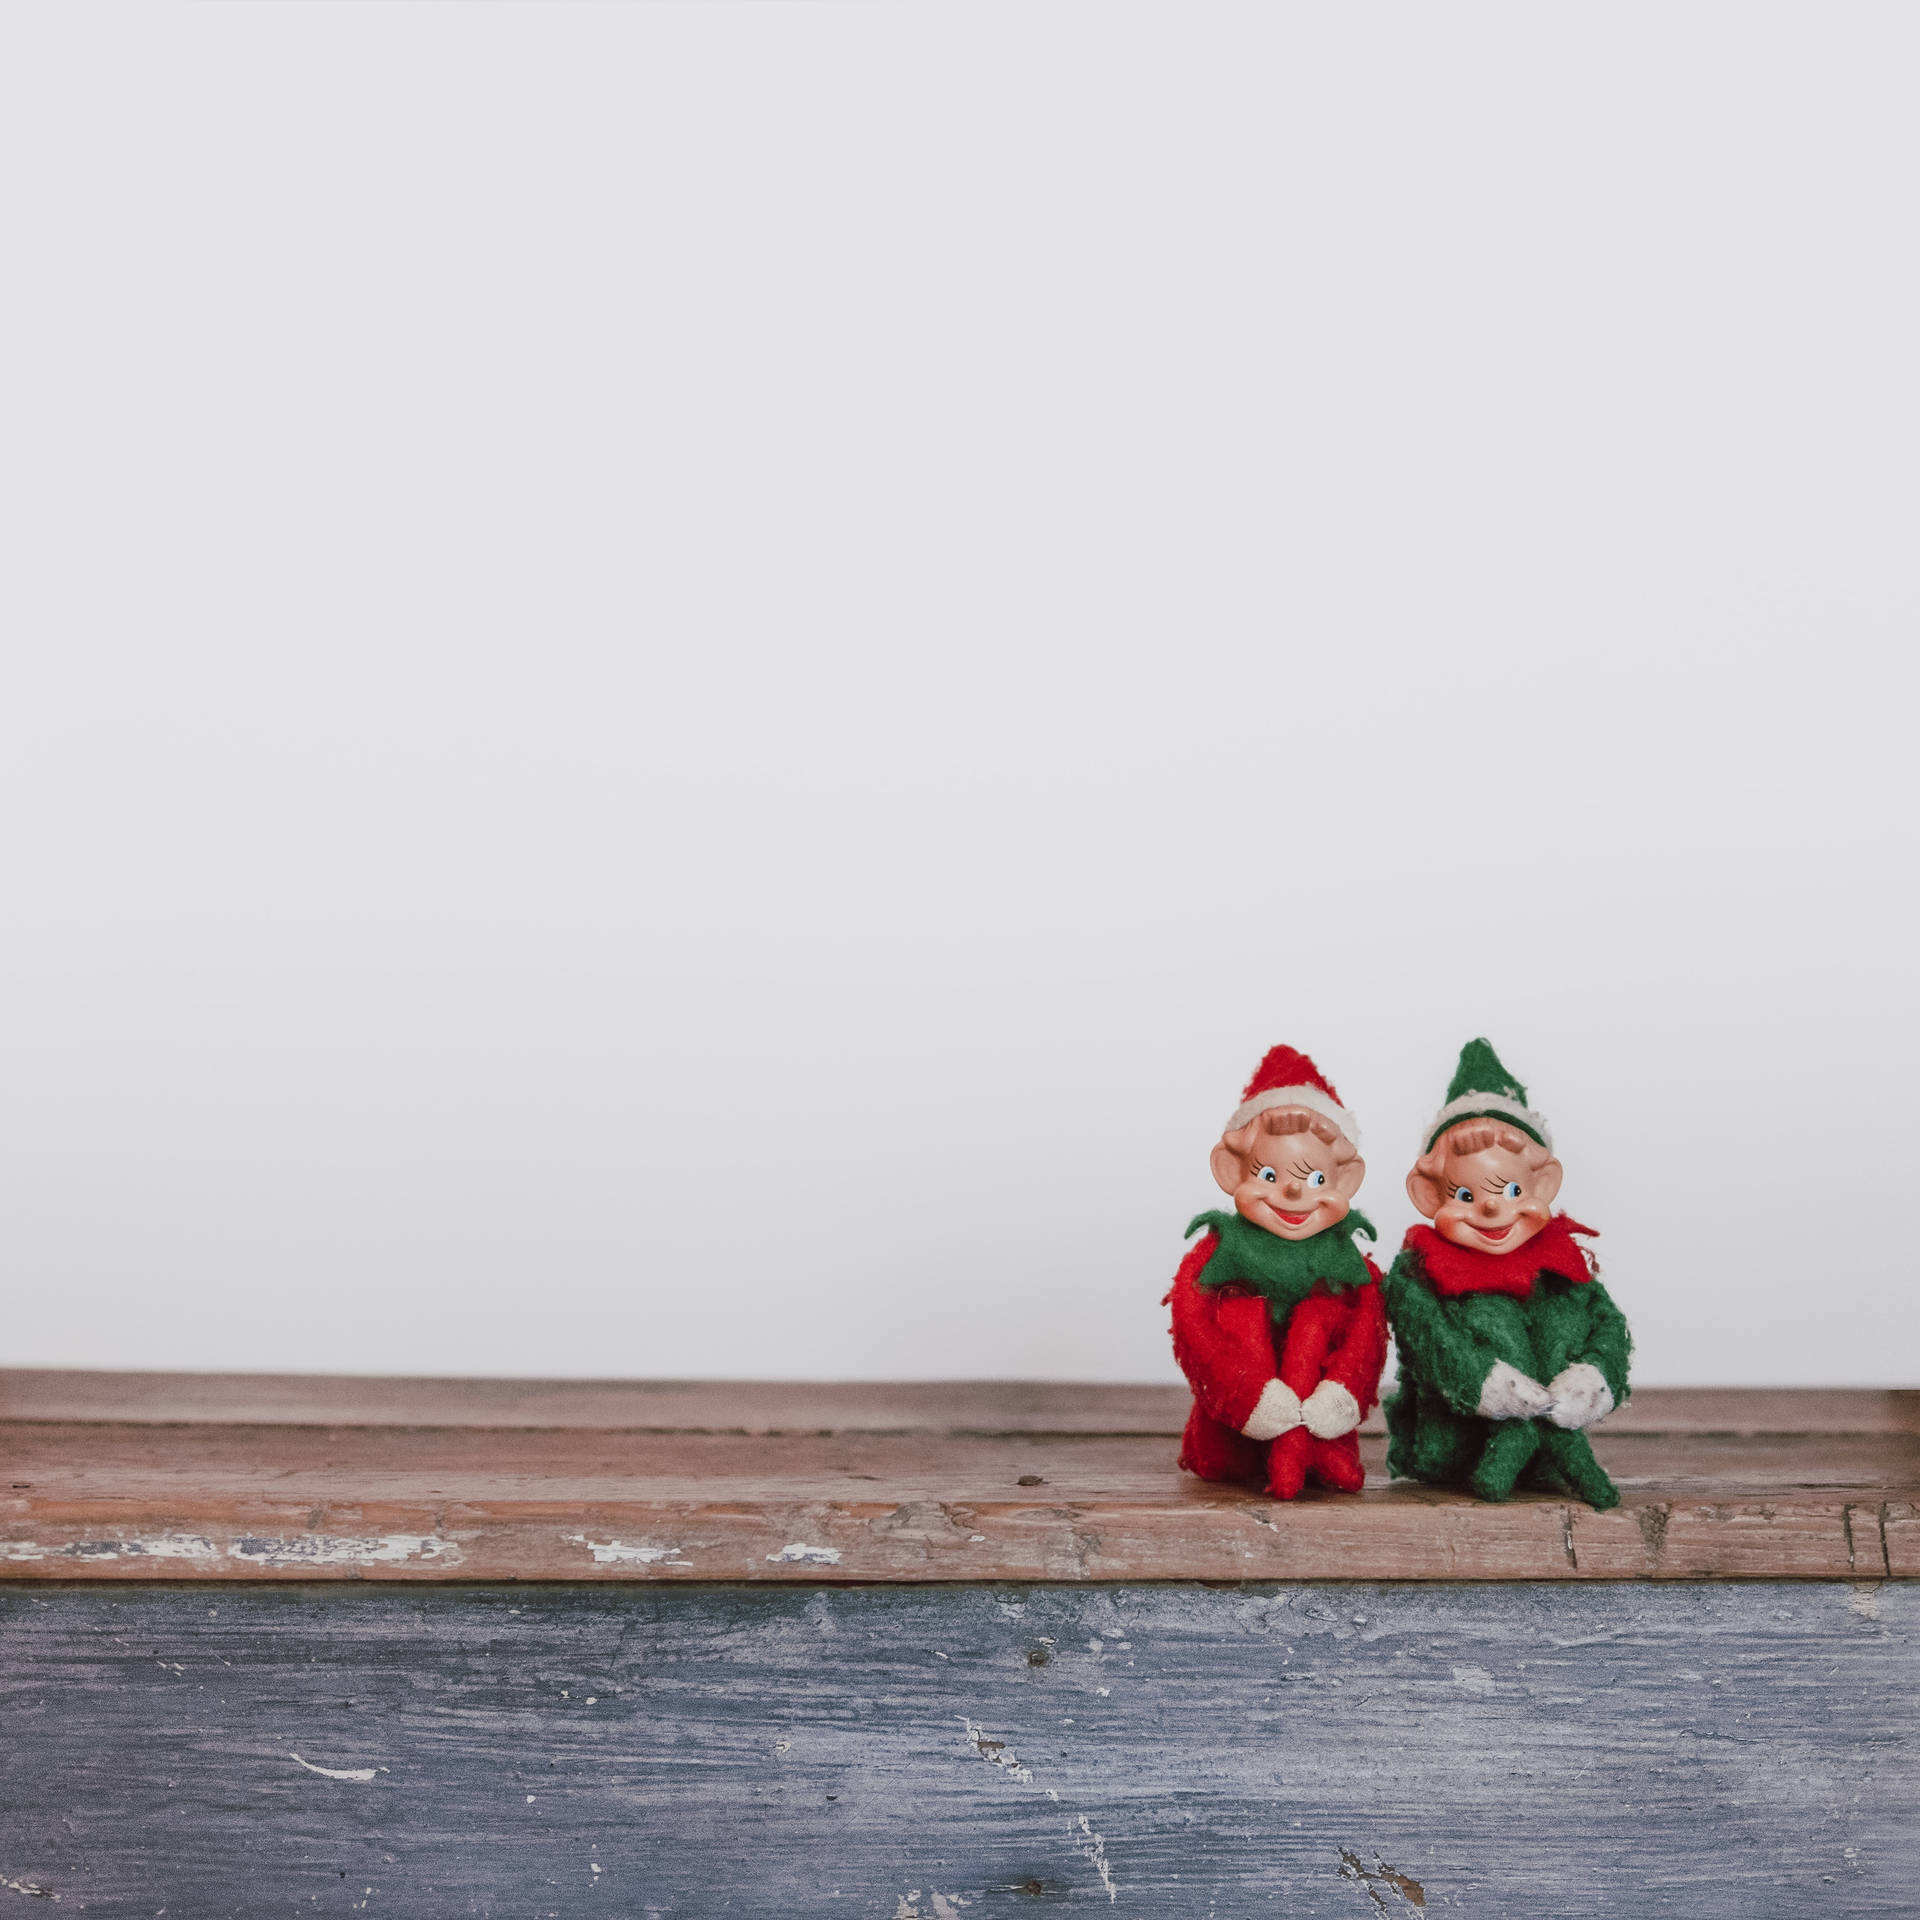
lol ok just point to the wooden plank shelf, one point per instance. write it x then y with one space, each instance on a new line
148 1477
446 1648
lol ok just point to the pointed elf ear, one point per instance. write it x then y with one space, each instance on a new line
1546 1181
1347 1177
1229 1160
1423 1185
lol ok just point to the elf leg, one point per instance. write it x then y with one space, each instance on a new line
1403 1423
1428 1440
1510 1445
1287 1460
1215 1452
1540 1475
1336 1463
1572 1454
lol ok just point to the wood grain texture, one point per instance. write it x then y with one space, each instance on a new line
640 1406
1723 1488
1355 1751
784 1406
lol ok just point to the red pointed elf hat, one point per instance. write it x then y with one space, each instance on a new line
1287 1078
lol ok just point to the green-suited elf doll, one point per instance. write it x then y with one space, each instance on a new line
1510 1348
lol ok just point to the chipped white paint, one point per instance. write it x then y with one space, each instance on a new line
1865 1601
796 1553
618 1553
337 1550
292 1550
1474 1679
946 1906
1095 1848
164 1546
362 1774
996 1752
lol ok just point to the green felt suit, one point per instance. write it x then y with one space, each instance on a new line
1456 1313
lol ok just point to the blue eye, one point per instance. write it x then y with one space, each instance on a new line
1512 1189
1464 1195
1319 1179
1267 1174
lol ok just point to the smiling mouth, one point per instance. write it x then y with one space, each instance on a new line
1294 1219
1494 1233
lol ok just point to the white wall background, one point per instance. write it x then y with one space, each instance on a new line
686 687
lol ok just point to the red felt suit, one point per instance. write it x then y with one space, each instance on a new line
1223 1340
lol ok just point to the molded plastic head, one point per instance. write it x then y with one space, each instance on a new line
1486 1184
1290 1171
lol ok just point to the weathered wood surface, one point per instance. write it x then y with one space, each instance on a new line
635 1406
790 1406
1361 1751
190 1480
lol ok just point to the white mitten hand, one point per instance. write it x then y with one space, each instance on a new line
1580 1396
1274 1413
1329 1411
1508 1394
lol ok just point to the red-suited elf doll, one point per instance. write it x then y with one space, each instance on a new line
1277 1316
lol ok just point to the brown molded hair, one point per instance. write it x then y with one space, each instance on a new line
1280 1120
1476 1136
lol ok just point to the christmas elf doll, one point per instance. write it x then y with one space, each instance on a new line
1278 1322
1510 1348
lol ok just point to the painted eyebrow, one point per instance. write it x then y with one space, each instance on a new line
1300 1169
1494 1186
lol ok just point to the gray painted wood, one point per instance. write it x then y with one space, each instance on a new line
1738 1750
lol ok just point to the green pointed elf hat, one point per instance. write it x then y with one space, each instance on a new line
1482 1089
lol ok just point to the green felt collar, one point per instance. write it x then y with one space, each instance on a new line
1284 1272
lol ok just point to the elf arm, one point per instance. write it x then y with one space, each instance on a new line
1594 1381
1224 1344
1347 1368
1360 1359
1468 1374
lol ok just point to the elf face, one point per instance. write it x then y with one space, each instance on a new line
1290 1171
1485 1186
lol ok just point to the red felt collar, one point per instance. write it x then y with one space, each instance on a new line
1453 1270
